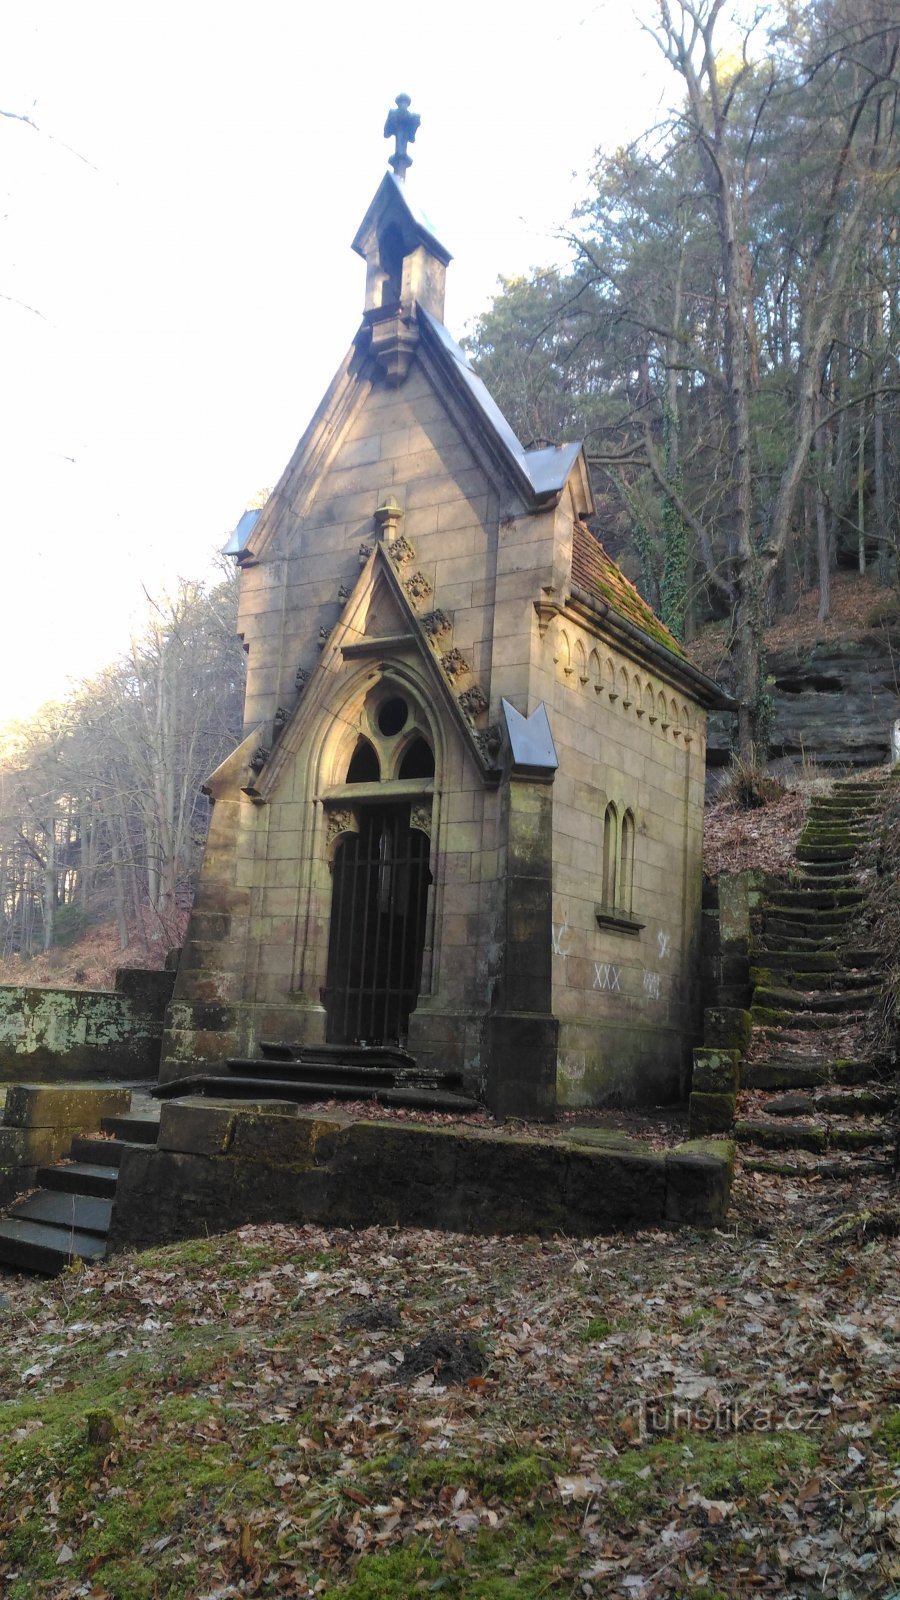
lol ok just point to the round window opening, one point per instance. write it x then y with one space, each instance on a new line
392 716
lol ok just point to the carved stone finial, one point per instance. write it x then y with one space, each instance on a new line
387 519
402 126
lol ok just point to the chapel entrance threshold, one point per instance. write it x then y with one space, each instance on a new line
378 915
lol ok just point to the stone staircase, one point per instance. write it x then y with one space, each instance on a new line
305 1073
813 1102
67 1217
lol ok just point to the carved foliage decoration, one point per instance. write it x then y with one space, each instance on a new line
365 550
301 677
455 664
341 819
488 742
401 551
420 816
472 702
417 587
259 758
437 624
324 635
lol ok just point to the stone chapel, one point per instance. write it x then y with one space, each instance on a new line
466 816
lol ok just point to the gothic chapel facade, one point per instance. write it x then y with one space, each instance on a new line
466 815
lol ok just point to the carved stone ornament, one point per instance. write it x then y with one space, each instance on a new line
259 758
324 636
417 587
343 593
278 721
489 742
472 702
455 664
420 816
437 623
401 551
341 820
301 677
365 550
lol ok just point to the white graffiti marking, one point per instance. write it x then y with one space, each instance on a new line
652 985
557 934
572 1065
663 942
607 977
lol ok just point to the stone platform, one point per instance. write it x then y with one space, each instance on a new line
219 1165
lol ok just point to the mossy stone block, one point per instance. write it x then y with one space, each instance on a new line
726 1028
711 1113
699 1176
63 1105
715 1071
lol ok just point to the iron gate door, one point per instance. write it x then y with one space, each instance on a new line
378 903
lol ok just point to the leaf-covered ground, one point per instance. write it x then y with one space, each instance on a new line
658 1415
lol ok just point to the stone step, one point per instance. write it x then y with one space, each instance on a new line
85 1213
235 1088
815 1136
783 1074
852 1103
821 1002
39 1247
825 875
793 934
799 977
823 1169
781 1135
132 1129
102 1152
824 961
805 1021
817 919
817 899
79 1177
856 956
825 852
348 1072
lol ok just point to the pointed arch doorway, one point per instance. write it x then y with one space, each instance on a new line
378 917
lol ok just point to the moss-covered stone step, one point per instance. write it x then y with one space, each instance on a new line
800 977
780 934
824 1169
784 1074
858 956
782 1135
815 918
822 1002
825 852
861 1102
853 1103
806 1021
794 960
817 899
861 1137
851 1070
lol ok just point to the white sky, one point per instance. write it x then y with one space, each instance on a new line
181 227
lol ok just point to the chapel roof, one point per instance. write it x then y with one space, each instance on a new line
596 572
546 469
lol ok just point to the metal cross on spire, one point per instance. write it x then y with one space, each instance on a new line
401 126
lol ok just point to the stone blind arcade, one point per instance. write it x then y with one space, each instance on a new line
466 815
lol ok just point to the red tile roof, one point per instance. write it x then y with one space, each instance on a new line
595 572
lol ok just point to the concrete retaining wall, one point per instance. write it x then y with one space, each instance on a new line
218 1166
54 1035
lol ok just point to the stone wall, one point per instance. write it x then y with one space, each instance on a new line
52 1035
218 1166
626 994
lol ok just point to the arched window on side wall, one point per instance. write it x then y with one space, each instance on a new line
626 864
610 853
